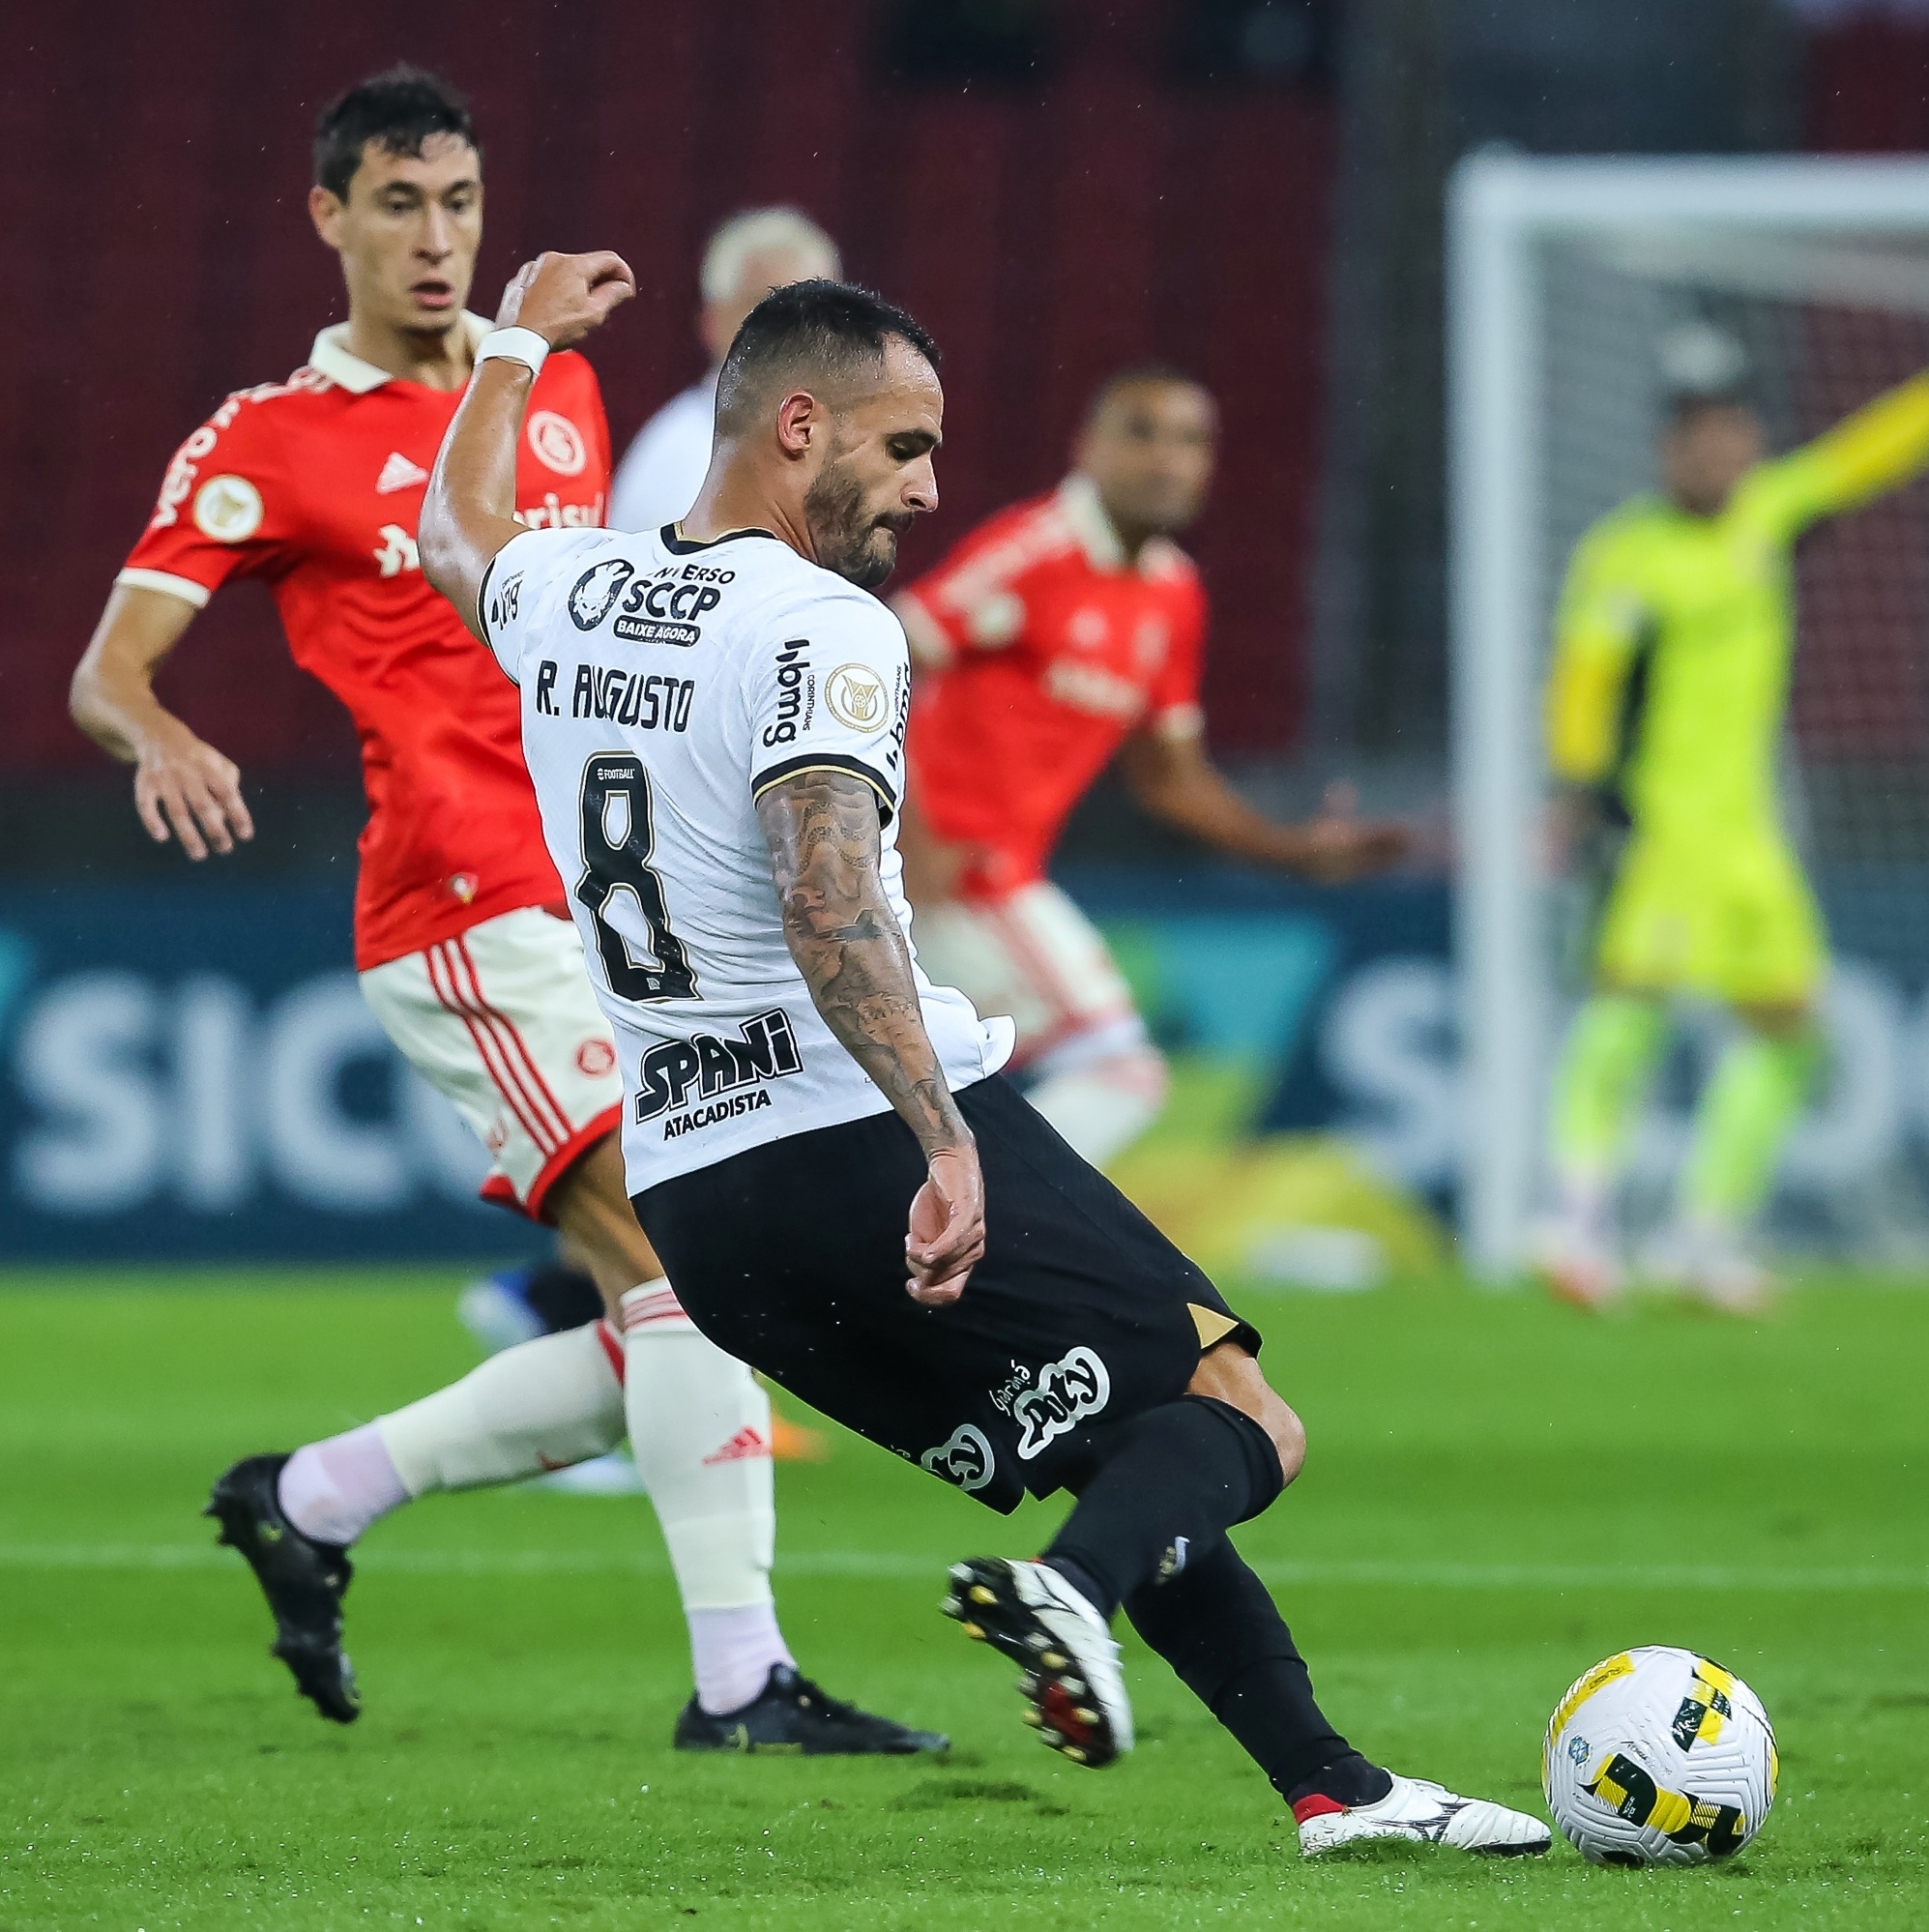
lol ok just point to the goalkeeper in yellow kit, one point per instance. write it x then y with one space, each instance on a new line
1665 710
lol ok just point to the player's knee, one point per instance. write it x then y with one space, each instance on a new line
1289 1438
1230 1374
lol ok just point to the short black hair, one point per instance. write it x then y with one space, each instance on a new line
1683 406
1139 375
808 330
399 110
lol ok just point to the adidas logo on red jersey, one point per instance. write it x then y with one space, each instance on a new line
399 473
745 1446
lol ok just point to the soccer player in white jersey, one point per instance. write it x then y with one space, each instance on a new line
845 1191
313 484
754 251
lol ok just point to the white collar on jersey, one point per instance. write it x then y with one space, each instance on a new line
1084 516
331 355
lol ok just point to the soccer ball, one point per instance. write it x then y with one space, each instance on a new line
1660 1757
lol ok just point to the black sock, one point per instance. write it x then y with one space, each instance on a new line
1173 1481
562 1297
1216 1624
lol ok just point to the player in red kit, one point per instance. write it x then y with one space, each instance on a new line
1057 633
314 484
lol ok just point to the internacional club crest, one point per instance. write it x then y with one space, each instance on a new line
558 443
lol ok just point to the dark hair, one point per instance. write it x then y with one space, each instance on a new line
1138 376
809 330
399 110
1684 405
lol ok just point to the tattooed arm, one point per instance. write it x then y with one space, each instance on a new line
822 830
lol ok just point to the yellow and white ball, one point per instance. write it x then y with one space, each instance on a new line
1660 1757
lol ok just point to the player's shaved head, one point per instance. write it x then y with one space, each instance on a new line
826 338
829 412
397 111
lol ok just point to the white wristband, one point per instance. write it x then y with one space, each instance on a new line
515 345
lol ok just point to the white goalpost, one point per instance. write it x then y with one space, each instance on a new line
1561 275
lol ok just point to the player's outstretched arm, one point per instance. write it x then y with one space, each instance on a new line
822 830
183 786
1877 448
469 512
1175 781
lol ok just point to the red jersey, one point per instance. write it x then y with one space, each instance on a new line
315 486
1040 648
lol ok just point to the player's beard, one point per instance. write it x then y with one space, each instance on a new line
844 537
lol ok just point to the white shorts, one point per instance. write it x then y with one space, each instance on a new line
500 1020
1031 954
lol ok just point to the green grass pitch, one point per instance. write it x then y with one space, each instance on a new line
1499 1493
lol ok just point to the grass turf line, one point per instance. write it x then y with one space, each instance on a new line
1499 1494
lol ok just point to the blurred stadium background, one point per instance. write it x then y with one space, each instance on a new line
1252 189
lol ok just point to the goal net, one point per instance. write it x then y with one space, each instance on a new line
1566 276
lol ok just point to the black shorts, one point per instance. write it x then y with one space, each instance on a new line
1080 1316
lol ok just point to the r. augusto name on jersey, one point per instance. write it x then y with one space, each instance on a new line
664 684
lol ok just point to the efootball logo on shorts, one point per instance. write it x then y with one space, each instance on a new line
595 593
1066 1392
965 1460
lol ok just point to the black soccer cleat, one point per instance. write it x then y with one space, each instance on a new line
1073 1688
791 1717
304 1581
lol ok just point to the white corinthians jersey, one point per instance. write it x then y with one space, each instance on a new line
665 683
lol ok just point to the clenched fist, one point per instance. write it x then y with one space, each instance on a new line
563 298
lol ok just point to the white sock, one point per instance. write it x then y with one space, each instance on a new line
1104 1105
332 1490
700 1430
1586 1201
733 1651
540 1405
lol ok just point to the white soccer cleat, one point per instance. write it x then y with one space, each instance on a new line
1073 1688
1422 1813
1733 1282
1576 1263
1710 1264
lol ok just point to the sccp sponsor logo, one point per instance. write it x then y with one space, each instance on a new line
965 1459
664 611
